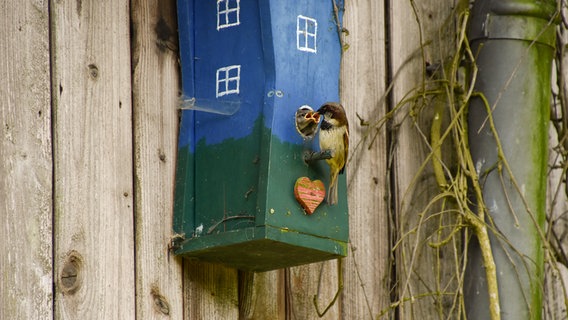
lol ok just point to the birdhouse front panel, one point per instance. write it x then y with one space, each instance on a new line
247 66
307 56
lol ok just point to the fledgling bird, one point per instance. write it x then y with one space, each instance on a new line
307 122
334 136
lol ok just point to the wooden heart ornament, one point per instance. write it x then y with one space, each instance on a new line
309 193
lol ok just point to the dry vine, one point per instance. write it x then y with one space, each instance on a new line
457 183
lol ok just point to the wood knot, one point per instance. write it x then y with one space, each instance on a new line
160 302
71 274
93 71
162 155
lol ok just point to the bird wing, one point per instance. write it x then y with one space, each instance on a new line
346 151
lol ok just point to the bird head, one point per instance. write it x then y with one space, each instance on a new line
307 121
333 114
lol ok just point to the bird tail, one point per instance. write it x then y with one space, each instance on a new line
332 193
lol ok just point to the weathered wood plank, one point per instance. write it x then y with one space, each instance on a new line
261 295
155 86
421 33
210 291
556 284
363 81
556 273
25 162
558 143
94 231
305 282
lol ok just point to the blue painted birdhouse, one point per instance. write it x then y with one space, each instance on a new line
247 66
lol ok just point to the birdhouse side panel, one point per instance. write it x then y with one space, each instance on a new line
184 218
183 223
228 69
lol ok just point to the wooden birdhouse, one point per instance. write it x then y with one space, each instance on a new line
247 66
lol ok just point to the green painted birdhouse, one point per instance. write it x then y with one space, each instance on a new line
247 66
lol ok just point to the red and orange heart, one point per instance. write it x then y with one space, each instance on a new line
309 193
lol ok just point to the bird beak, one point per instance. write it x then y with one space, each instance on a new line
312 116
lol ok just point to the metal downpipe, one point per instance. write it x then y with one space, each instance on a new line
513 42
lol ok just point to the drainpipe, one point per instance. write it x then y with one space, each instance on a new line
514 44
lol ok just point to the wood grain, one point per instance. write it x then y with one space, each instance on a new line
556 282
25 162
363 79
263 297
421 34
210 291
155 86
305 282
556 272
94 230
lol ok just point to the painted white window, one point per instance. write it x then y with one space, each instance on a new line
228 79
228 12
306 34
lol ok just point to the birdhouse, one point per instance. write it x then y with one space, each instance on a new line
247 66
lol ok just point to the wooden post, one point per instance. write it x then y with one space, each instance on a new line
363 84
93 185
556 273
155 86
25 162
261 295
422 34
210 291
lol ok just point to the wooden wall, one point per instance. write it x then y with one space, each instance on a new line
26 167
88 113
